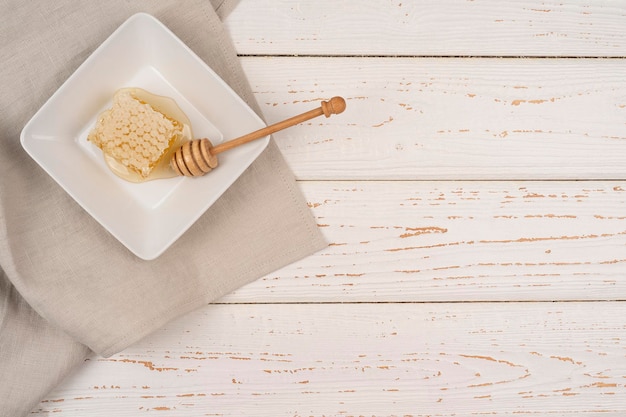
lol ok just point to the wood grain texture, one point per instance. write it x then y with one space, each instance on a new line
474 209
423 27
500 359
458 241
449 118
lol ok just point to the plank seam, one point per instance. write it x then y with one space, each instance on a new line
592 57
603 301
441 180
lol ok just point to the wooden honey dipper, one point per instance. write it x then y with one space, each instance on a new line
198 157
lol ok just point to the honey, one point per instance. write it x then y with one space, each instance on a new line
139 134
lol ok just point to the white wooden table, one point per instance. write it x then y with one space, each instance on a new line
474 194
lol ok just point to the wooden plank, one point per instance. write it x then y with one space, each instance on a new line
423 27
449 118
498 359
458 241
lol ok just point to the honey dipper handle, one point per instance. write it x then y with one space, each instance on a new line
335 105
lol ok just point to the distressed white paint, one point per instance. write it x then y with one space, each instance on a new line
426 27
364 359
458 241
413 118
414 308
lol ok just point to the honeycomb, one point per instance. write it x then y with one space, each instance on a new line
135 134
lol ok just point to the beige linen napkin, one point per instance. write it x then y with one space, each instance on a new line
67 287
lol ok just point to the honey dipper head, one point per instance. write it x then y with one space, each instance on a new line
194 158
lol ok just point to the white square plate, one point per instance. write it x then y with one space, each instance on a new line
147 217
